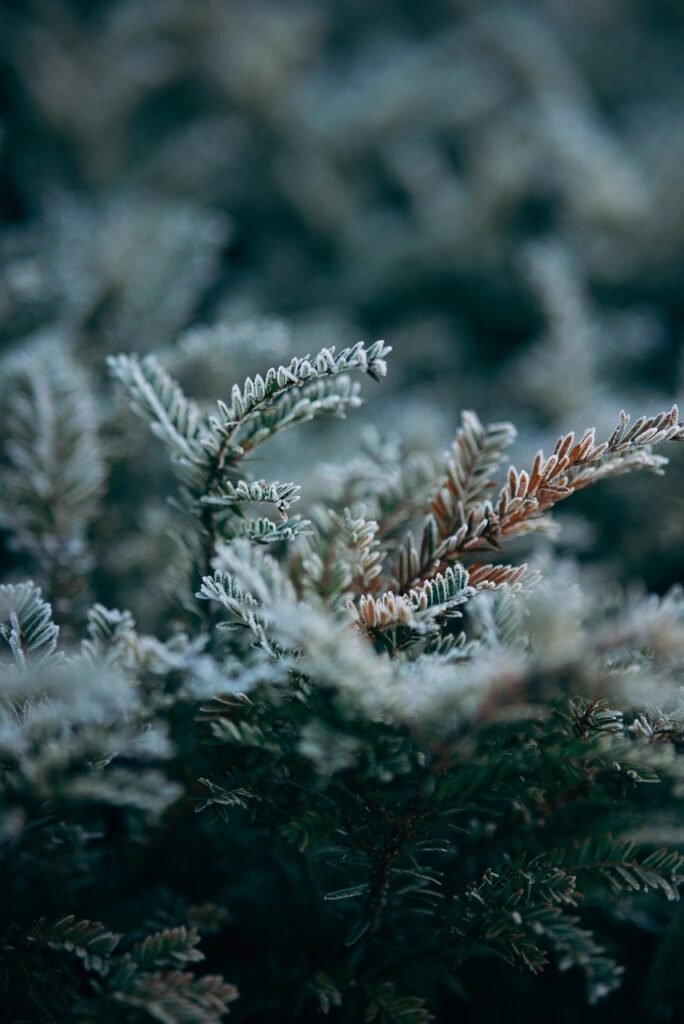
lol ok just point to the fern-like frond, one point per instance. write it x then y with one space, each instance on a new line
247 584
51 487
146 979
172 947
389 611
445 591
90 941
26 625
222 589
357 537
621 866
266 531
472 463
207 450
575 465
657 726
440 596
290 394
508 912
228 495
159 399
178 997
575 946
594 717
322 399
516 578
259 391
527 495
109 630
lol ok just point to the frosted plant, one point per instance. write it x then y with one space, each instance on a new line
54 469
353 729
443 738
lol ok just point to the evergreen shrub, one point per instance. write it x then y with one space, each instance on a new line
364 751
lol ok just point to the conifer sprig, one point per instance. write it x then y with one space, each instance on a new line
26 625
461 520
207 449
54 480
147 979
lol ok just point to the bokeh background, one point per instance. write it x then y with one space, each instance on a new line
494 188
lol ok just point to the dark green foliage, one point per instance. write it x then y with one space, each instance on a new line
54 471
415 753
26 625
383 781
137 984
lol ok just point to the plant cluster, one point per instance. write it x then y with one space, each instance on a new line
376 731
367 751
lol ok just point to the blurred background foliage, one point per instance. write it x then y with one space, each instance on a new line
495 188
